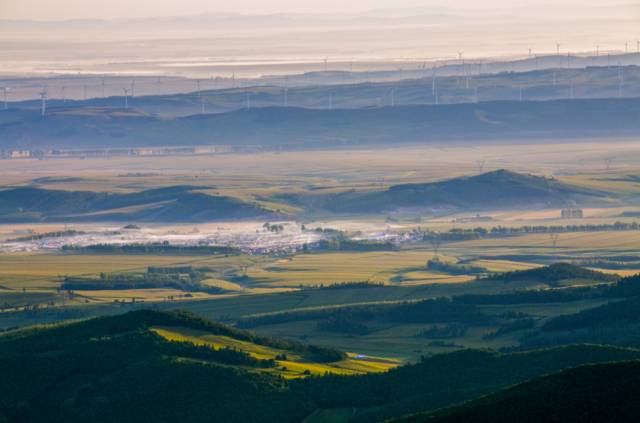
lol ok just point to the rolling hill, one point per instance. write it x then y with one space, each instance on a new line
501 189
493 190
270 127
175 366
170 204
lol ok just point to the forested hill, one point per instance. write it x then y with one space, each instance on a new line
596 393
122 368
310 128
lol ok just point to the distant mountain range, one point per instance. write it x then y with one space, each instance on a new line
275 127
539 78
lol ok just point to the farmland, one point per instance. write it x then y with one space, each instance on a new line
269 273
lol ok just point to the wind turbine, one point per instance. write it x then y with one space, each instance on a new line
198 87
620 79
434 89
102 87
434 86
557 49
461 58
597 51
126 97
43 97
64 97
133 88
5 91
325 60
520 93
626 47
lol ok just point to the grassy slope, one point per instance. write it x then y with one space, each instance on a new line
497 189
177 203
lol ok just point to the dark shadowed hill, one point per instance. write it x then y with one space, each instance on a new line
309 128
555 274
500 189
595 393
171 204
118 369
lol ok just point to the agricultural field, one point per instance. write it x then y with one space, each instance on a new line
289 365
271 273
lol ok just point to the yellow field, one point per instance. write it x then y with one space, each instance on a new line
295 364
328 268
579 242
503 265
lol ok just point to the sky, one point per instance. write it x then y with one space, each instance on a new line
109 9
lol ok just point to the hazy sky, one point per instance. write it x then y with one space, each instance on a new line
75 9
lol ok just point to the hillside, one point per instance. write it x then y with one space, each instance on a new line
309 128
489 191
177 203
116 369
555 274
175 366
595 393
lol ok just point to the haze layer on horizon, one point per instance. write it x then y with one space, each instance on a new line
98 9
250 38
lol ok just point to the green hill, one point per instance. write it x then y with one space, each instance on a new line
177 203
595 393
166 367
